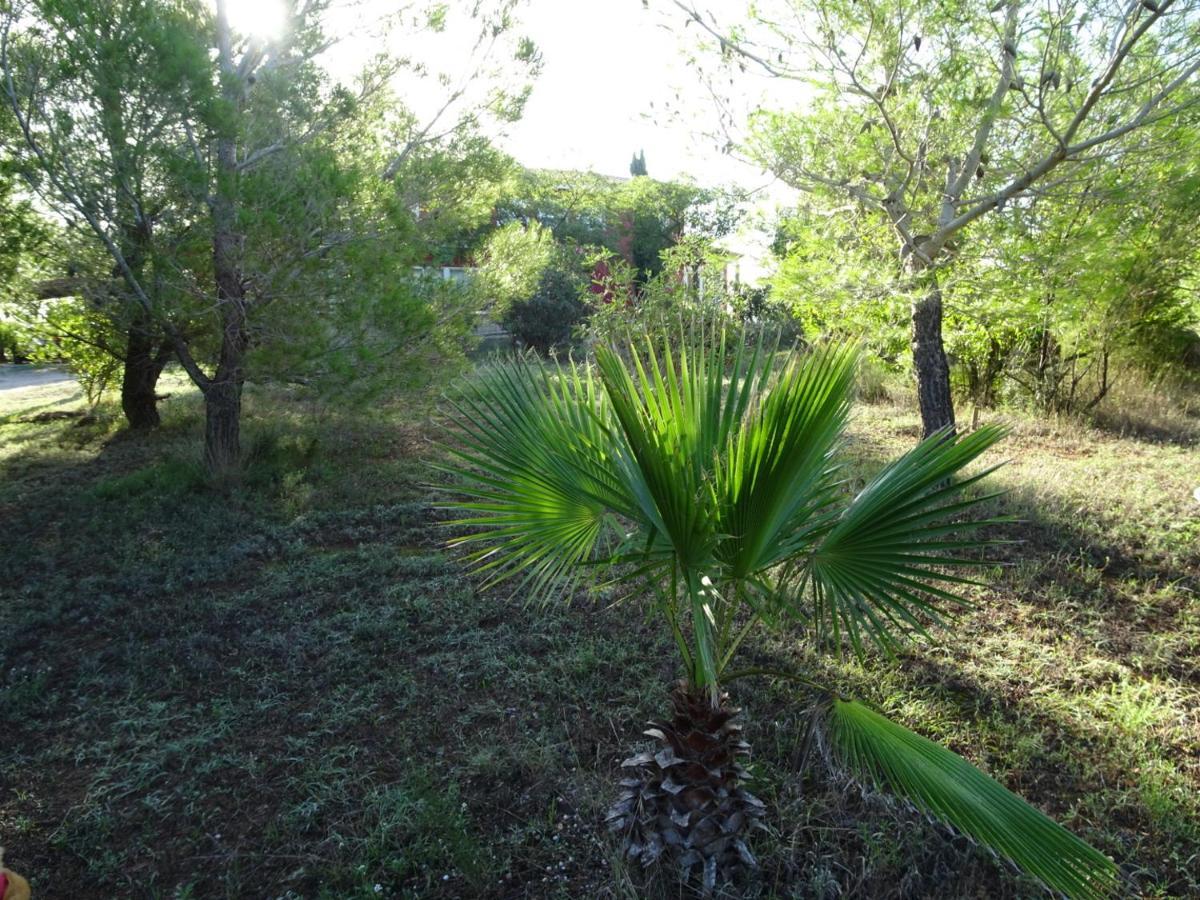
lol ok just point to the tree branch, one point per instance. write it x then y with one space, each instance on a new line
1008 58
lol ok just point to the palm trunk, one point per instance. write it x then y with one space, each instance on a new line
687 799
929 356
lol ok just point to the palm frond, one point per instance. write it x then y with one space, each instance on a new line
881 566
536 472
776 478
676 411
946 786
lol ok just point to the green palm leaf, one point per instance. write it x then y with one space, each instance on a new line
946 786
536 467
709 474
776 479
876 571
675 410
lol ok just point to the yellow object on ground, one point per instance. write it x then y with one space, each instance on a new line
12 885
18 887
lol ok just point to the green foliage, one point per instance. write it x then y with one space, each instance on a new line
550 319
562 230
930 135
25 238
921 91
322 225
511 264
23 233
341 193
12 341
635 220
450 189
1092 287
942 784
103 97
712 480
836 274
1050 304
693 284
75 332
882 553
652 216
872 380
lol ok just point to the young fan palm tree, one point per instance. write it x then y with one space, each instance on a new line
709 476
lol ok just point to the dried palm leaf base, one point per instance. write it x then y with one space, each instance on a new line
685 801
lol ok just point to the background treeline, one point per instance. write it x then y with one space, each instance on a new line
179 192
1058 300
173 192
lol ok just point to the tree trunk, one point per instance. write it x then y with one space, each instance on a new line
139 383
223 394
222 427
929 357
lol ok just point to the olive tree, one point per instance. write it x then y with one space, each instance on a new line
935 115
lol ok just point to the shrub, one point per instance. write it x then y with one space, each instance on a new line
549 319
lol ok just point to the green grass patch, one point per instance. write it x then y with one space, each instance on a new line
289 689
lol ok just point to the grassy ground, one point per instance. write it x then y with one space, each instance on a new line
27 390
293 692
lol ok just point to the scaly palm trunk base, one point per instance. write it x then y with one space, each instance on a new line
685 800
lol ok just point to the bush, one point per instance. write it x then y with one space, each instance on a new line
871 380
761 313
10 343
693 286
548 320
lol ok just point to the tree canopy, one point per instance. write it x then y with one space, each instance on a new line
935 116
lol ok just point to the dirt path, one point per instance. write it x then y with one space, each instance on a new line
15 377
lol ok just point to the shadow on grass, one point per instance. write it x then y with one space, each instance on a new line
1121 588
1180 430
318 701
1074 679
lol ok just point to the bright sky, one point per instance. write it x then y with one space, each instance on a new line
609 67
605 64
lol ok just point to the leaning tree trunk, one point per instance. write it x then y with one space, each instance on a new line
929 356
